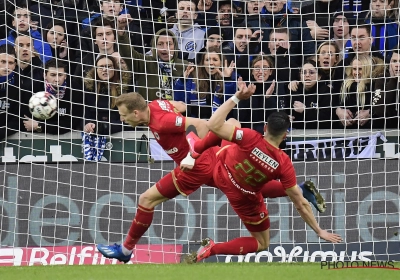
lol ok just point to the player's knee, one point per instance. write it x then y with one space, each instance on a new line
263 244
234 122
148 199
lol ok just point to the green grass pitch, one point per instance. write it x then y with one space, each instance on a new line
203 271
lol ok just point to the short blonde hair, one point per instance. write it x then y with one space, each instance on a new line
132 101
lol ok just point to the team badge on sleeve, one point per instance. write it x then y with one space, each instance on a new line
178 121
239 134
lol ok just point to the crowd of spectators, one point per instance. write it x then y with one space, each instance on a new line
330 64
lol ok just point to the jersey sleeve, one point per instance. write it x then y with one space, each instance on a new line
288 174
245 137
167 119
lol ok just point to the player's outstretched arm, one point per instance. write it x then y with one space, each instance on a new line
304 209
217 121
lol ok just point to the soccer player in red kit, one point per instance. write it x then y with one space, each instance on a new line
243 169
169 129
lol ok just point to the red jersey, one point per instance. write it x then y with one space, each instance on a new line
168 127
252 162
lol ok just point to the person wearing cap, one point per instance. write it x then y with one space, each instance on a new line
341 23
213 38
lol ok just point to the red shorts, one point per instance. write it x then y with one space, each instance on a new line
185 182
249 206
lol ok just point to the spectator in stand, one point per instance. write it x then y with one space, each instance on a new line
328 56
207 12
361 40
211 84
67 10
384 30
155 73
386 97
23 24
276 15
253 112
225 18
109 10
245 46
353 107
319 16
70 109
311 101
9 92
342 21
56 36
28 77
103 84
189 35
253 17
104 36
213 38
279 46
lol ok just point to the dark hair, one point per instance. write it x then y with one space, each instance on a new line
278 123
53 23
55 63
314 64
102 22
243 25
8 49
19 7
362 25
120 2
195 2
282 30
396 49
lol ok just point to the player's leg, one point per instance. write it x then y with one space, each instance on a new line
254 214
210 140
274 189
162 191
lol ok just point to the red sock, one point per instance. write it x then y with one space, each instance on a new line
139 226
273 189
238 246
211 140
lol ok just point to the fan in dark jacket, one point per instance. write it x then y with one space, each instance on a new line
311 102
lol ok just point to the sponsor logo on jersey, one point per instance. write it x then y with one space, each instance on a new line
239 134
265 158
156 135
190 46
172 151
178 121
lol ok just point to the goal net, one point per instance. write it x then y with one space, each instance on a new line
74 180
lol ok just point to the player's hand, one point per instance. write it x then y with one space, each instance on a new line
30 124
244 91
331 237
270 90
89 128
187 163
